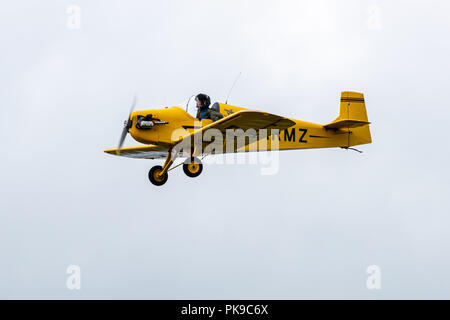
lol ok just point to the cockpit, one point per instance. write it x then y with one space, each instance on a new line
203 109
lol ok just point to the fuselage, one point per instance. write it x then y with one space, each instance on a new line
302 135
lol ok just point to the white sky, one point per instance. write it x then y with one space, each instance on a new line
308 232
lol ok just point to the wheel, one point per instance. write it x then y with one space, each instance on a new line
192 167
154 178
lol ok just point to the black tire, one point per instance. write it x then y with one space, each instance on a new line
192 167
152 176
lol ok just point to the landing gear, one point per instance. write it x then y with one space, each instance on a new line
156 177
192 167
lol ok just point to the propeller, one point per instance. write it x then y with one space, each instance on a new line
127 124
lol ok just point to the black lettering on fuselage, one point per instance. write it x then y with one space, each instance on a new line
303 131
289 137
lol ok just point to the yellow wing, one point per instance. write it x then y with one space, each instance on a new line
141 152
244 119
248 119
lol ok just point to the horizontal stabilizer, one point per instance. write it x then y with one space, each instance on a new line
345 124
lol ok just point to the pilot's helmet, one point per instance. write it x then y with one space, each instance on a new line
204 99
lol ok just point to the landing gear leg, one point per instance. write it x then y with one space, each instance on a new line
158 175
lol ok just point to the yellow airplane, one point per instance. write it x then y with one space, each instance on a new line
172 132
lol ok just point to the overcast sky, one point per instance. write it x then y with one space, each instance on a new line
309 231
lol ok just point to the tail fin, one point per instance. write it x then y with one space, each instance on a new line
353 115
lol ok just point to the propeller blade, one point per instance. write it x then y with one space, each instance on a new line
122 138
133 104
126 126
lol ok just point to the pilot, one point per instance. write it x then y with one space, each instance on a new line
203 109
